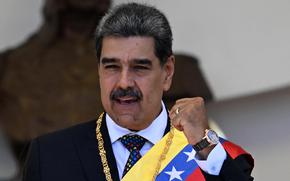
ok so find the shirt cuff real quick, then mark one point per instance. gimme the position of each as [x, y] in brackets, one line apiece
[214, 161]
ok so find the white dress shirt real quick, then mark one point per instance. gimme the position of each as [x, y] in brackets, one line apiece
[153, 133]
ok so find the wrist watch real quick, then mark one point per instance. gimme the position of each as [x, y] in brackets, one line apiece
[210, 138]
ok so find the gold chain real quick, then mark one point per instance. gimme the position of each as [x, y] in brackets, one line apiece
[103, 156]
[102, 150]
[164, 152]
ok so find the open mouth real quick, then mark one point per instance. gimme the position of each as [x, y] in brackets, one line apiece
[127, 96]
[127, 100]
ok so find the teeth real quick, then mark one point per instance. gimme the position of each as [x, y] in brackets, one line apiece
[126, 101]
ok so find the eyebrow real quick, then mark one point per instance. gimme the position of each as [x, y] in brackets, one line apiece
[108, 60]
[143, 61]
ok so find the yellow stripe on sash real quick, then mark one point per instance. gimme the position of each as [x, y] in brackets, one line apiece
[144, 169]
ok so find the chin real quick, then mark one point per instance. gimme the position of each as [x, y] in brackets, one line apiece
[128, 121]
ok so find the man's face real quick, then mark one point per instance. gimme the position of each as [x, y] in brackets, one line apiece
[132, 80]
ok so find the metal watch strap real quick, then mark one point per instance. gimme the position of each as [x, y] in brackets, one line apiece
[201, 145]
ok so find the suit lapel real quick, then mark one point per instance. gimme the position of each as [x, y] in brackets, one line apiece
[86, 146]
[167, 129]
[109, 151]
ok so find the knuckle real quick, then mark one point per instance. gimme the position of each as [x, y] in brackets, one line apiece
[199, 100]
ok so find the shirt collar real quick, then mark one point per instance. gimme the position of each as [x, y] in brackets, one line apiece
[153, 133]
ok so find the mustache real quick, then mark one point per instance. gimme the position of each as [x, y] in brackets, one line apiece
[129, 92]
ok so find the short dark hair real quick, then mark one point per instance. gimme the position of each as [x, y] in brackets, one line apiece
[132, 19]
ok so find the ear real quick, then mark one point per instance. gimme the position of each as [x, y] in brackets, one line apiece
[168, 68]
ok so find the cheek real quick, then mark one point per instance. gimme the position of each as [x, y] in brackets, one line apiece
[152, 88]
[106, 86]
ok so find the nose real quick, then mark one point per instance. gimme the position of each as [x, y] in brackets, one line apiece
[126, 79]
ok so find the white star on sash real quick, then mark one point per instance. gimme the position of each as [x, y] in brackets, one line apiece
[191, 155]
[174, 174]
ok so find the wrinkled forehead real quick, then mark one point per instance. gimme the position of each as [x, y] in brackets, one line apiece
[128, 48]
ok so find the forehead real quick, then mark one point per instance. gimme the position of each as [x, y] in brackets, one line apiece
[128, 48]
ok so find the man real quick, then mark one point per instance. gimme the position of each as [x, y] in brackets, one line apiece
[136, 65]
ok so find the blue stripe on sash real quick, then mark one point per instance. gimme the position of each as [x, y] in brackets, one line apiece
[179, 168]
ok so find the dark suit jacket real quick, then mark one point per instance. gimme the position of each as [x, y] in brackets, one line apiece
[72, 155]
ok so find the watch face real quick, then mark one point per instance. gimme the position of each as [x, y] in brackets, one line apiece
[213, 137]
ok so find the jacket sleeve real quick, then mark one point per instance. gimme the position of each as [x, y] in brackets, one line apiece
[238, 169]
[31, 170]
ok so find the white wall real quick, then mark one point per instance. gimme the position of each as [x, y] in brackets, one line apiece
[243, 45]
[18, 19]
[8, 165]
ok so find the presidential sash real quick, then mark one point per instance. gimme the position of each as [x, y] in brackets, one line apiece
[179, 162]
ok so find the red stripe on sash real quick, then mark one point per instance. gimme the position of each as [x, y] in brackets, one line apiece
[196, 176]
[233, 150]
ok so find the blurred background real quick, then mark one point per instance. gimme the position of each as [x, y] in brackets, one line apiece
[233, 53]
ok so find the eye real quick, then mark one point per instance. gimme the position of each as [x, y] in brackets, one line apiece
[141, 67]
[111, 66]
